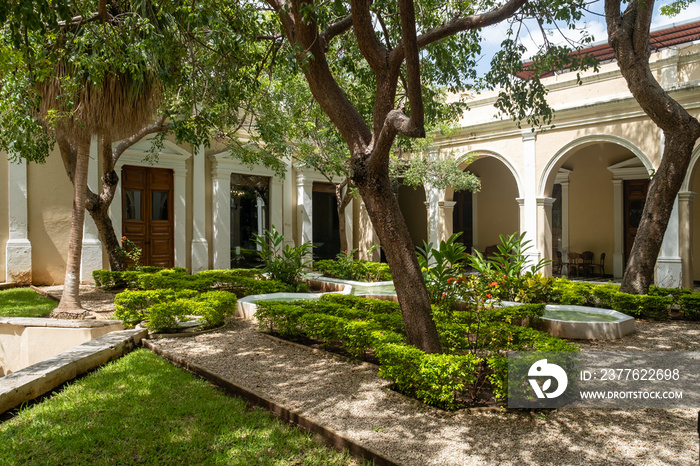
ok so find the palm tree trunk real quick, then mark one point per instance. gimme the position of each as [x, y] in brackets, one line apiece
[70, 305]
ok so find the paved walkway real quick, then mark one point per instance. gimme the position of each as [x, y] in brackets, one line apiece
[351, 400]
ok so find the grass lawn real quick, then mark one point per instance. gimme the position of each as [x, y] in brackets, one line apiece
[142, 410]
[24, 302]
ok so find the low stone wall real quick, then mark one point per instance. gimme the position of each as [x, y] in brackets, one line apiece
[25, 341]
[37, 379]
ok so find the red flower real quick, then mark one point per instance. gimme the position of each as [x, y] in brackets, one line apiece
[488, 295]
[450, 280]
[444, 294]
[493, 284]
[123, 238]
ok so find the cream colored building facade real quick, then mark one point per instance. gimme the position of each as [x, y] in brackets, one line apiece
[567, 188]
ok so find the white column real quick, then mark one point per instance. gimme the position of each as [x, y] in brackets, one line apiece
[529, 211]
[180, 224]
[544, 230]
[475, 222]
[619, 251]
[564, 220]
[305, 208]
[432, 198]
[200, 245]
[446, 219]
[285, 207]
[685, 222]
[349, 225]
[669, 265]
[368, 237]
[221, 198]
[18, 250]
[277, 215]
[91, 256]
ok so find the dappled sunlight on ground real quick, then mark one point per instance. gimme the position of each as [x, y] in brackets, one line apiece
[354, 402]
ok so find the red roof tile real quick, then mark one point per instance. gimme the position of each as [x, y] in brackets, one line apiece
[658, 40]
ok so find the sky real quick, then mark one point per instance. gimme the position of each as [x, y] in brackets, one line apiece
[594, 24]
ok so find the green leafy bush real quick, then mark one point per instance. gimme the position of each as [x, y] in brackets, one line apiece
[573, 293]
[690, 305]
[214, 306]
[346, 267]
[283, 262]
[133, 306]
[655, 307]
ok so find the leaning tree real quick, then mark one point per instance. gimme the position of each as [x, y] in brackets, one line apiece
[404, 44]
[628, 34]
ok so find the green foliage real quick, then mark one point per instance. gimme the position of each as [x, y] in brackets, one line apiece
[690, 305]
[346, 267]
[444, 380]
[283, 262]
[655, 307]
[133, 306]
[130, 251]
[442, 266]
[165, 308]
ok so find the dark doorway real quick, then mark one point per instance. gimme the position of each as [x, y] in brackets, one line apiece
[147, 213]
[462, 218]
[635, 197]
[249, 215]
[326, 226]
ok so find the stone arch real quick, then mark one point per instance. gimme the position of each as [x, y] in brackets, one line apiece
[691, 168]
[463, 155]
[557, 159]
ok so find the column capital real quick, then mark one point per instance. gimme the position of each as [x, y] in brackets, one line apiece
[447, 204]
[686, 196]
[529, 135]
[520, 201]
[545, 201]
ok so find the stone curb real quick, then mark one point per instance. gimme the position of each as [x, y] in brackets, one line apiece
[42, 377]
[332, 438]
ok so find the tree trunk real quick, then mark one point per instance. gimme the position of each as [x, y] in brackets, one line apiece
[664, 187]
[98, 207]
[383, 210]
[70, 305]
[628, 35]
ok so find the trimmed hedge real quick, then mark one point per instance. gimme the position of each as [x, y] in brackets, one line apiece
[359, 324]
[242, 282]
[165, 308]
[655, 305]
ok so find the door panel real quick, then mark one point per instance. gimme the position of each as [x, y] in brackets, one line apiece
[635, 197]
[147, 216]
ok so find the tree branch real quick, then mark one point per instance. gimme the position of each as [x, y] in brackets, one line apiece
[370, 47]
[334, 30]
[460, 24]
[156, 127]
[410, 46]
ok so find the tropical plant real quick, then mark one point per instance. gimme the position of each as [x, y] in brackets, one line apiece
[285, 263]
[441, 267]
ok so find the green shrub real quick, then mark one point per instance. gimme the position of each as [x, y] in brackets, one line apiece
[514, 314]
[108, 279]
[345, 267]
[690, 305]
[433, 378]
[573, 293]
[165, 316]
[214, 306]
[602, 295]
[283, 262]
[280, 318]
[655, 307]
[244, 282]
[134, 306]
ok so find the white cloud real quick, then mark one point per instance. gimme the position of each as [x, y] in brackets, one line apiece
[689, 14]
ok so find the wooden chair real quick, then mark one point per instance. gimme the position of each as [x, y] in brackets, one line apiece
[587, 262]
[574, 263]
[600, 266]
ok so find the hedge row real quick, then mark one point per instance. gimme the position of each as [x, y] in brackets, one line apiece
[165, 308]
[242, 282]
[655, 305]
[359, 324]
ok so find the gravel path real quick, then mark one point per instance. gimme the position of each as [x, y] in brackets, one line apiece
[100, 303]
[354, 402]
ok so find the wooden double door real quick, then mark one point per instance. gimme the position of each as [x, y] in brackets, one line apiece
[147, 213]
